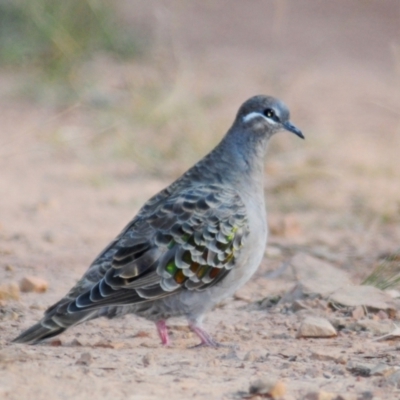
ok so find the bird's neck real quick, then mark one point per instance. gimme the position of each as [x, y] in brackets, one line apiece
[243, 154]
[238, 159]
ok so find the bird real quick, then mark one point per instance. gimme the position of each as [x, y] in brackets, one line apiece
[191, 245]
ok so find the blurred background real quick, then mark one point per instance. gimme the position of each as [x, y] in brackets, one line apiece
[104, 103]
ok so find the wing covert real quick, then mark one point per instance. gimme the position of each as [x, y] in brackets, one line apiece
[187, 242]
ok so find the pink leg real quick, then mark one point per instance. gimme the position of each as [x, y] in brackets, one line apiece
[206, 339]
[163, 332]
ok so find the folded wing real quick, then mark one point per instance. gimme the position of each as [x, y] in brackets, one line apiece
[187, 242]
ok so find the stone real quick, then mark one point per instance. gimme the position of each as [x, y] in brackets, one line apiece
[329, 354]
[376, 327]
[57, 342]
[366, 296]
[76, 342]
[33, 284]
[299, 305]
[321, 395]
[360, 369]
[270, 386]
[84, 359]
[315, 327]
[9, 291]
[394, 334]
[148, 359]
[253, 356]
[317, 276]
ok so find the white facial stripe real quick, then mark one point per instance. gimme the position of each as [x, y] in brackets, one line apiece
[251, 116]
[254, 114]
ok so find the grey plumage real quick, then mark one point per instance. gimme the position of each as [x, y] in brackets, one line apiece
[191, 245]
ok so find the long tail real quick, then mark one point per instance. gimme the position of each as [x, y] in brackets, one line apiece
[37, 333]
[51, 325]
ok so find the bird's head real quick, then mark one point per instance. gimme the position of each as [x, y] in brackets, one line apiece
[266, 115]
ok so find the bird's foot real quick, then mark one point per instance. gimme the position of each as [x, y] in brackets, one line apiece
[205, 337]
[163, 332]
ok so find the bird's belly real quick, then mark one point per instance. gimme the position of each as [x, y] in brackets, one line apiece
[245, 267]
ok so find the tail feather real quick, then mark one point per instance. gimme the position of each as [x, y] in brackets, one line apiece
[52, 325]
[37, 333]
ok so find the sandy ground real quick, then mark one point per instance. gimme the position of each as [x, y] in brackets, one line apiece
[66, 191]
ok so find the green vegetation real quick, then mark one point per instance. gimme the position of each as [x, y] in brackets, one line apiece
[53, 36]
[81, 58]
[387, 273]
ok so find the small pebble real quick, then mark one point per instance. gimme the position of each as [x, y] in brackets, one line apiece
[316, 328]
[9, 291]
[33, 284]
[148, 359]
[84, 359]
[270, 386]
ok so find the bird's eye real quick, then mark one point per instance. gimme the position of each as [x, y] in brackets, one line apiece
[270, 113]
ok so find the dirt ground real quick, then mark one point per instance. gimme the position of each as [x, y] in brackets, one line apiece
[72, 177]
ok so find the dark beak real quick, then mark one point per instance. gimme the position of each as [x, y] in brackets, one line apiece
[291, 128]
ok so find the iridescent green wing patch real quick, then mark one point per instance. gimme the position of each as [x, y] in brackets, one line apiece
[205, 245]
